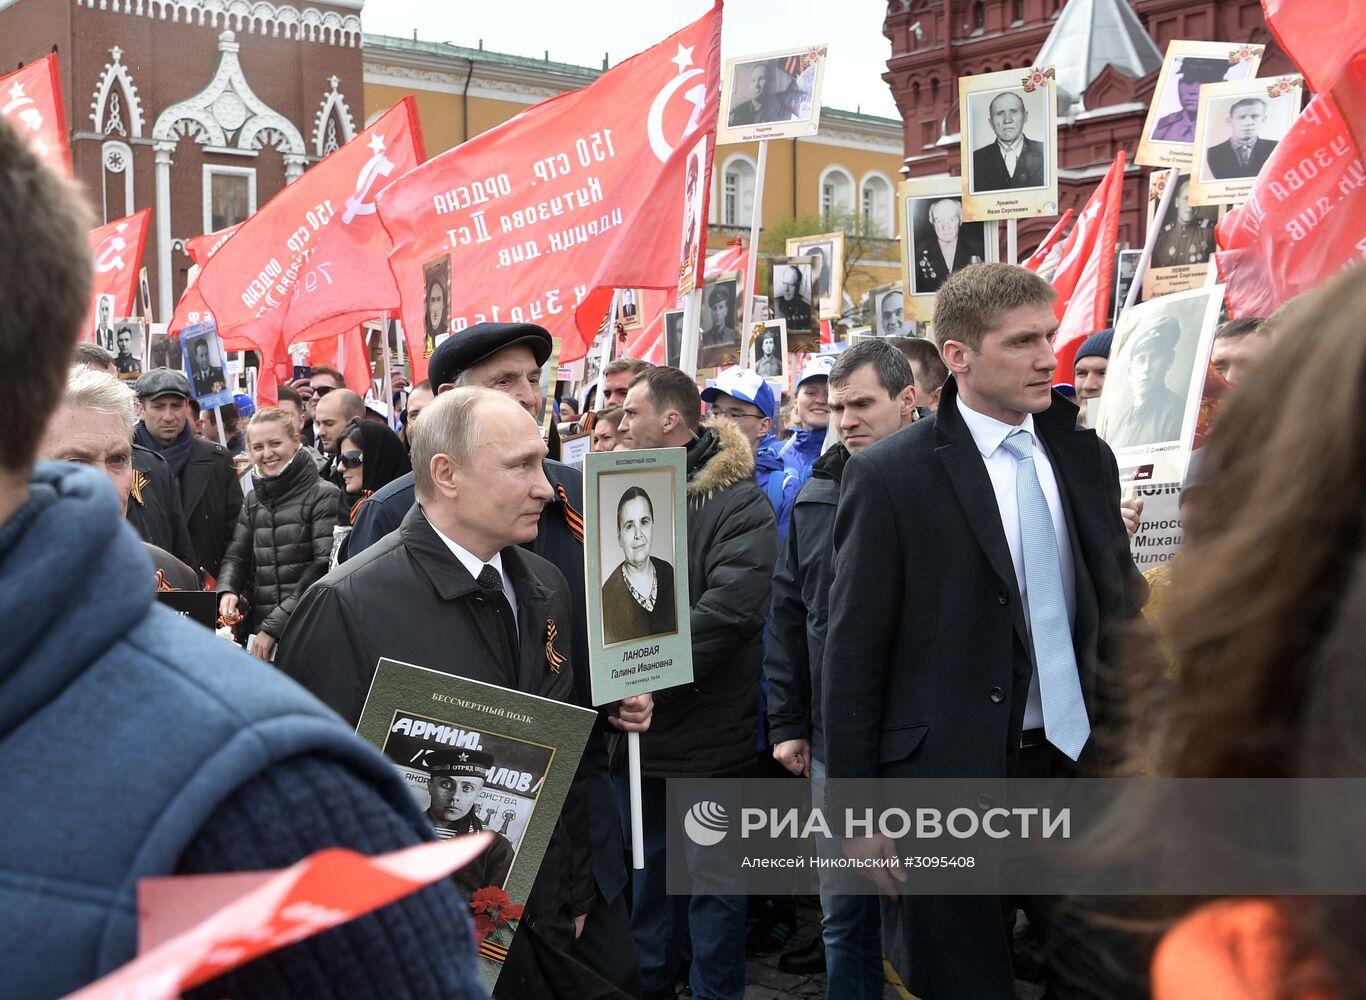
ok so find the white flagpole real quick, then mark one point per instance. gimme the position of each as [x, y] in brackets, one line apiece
[388, 380]
[692, 332]
[754, 224]
[1168, 192]
[1012, 242]
[637, 807]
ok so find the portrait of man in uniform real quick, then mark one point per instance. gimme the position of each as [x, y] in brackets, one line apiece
[1155, 411]
[792, 295]
[455, 779]
[943, 242]
[1191, 74]
[128, 344]
[1187, 232]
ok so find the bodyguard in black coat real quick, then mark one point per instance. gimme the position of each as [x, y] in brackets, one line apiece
[929, 659]
[154, 508]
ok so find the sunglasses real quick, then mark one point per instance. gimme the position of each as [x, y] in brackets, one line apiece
[352, 461]
[320, 391]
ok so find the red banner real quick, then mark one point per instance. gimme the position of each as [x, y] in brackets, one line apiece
[322, 891]
[1036, 260]
[1086, 270]
[647, 343]
[351, 255]
[191, 308]
[587, 189]
[251, 280]
[1319, 39]
[117, 248]
[1305, 219]
[31, 100]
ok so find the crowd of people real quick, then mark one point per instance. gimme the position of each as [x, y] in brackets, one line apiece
[916, 566]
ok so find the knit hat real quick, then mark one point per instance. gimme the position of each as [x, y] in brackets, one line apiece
[1096, 346]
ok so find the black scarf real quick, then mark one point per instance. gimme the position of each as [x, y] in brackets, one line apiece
[177, 453]
[385, 460]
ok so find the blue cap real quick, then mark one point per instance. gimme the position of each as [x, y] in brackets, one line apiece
[746, 386]
[245, 406]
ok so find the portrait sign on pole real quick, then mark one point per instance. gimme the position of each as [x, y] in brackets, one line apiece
[1237, 129]
[130, 346]
[1009, 145]
[792, 302]
[636, 541]
[1184, 241]
[673, 337]
[1155, 382]
[827, 270]
[889, 311]
[480, 757]
[936, 241]
[721, 307]
[1168, 137]
[204, 364]
[767, 354]
[773, 95]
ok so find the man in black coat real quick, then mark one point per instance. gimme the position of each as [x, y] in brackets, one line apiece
[210, 494]
[942, 649]
[155, 512]
[1244, 152]
[709, 727]
[872, 395]
[1013, 160]
[508, 358]
[453, 590]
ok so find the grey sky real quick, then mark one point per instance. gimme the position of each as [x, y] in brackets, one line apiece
[580, 32]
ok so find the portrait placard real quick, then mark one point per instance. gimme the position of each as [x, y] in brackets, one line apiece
[790, 279]
[767, 349]
[1185, 239]
[1168, 137]
[889, 311]
[130, 346]
[1126, 266]
[720, 340]
[628, 308]
[163, 350]
[693, 246]
[827, 270]
[436, 310]
[772, 95]
[935, 241]
[673, 337]
[479, 757]
[1236, 129]
[636, 544]
[1151, 398]
[203, 361]
[574, 447]
[1009, 146]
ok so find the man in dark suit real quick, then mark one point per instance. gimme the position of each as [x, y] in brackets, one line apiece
[1244, 151]
[210, 494]
[945, 246]
[1008, 514]
[1013, 160]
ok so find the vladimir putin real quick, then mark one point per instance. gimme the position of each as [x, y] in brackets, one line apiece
[1244, 151]
[1154, 415]
[945, 247]
[1012, 160]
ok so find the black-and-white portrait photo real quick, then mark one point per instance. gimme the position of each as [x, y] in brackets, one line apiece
[163, 351]
[673, 337]
[769, 353]
[1179, 100]
[628, 309]
[436, 302]
[692, 237]
[720, 322]
[941, 242]
[760, 309]
[769, 90]
[1242, 132]
[792, 293]
[204, 365]
[889, 310]
[1186, 233]
[1009, 135]
[104, 322]
[638, 591]
[128, 346]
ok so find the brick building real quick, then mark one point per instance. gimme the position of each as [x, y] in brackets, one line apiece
[1107, 54]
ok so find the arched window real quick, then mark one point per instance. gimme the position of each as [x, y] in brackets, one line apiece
[737, 191]
[837, 191]
[877, 204]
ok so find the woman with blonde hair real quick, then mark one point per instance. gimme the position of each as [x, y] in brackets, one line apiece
[283, 531]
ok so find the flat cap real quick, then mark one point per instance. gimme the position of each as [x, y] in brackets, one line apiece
[1162, 334]
[462, 351]
[459, 763]
[162, 382]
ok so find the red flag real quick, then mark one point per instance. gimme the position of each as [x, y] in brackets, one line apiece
[522, 219]
[1086, 270]
[354, 248]
[1320, 40]
[117, 249]
[191, 308]
[1045, 246]
[647, 343]
[31, 100]
[347, 354]
[1305, 219]
[250, 280]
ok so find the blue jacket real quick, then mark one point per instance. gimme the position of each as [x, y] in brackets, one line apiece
[123, 729]
[800, 451]
[778, 484]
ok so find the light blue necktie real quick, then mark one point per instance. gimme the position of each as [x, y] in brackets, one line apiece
[1064, 712]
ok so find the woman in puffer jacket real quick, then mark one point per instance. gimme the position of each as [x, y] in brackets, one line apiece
[284, 529]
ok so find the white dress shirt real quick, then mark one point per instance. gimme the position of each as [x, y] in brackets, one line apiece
[1011, 153]
[475, 565]
[988, 434]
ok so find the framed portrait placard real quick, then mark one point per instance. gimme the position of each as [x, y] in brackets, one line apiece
[772, 95]
[1009, 146]
[1168, 137]
[1155, 381]
[636, 543]
[721, 309]
[936, 241]
[1237, 128]
[479, 757]
[792, 302]
[766, 352]
[673, 337]
[130, 347]
[889, 311]
[1126, 266]
[827, 270]
[204, 364]
[1185, 239]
